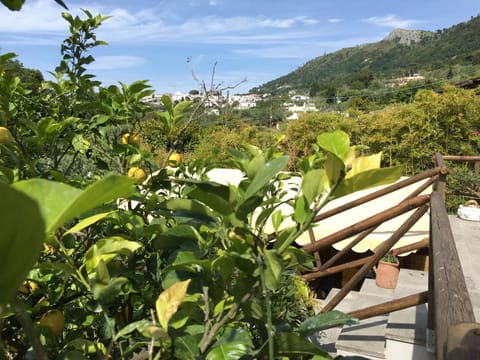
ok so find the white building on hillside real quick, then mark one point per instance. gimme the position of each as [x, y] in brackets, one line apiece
[296, 110]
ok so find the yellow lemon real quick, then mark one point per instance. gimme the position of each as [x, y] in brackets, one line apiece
[138, 174]
[54, 320]
[5, 135]
[175, 159]
[128, 138]
[28, 287]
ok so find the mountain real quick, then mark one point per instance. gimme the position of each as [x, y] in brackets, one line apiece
[402, 52]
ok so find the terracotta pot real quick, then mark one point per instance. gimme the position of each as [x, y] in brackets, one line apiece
[387, 274]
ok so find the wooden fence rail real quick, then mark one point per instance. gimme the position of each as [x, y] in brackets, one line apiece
[451, 305]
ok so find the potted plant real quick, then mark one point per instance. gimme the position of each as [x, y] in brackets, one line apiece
[387, 271]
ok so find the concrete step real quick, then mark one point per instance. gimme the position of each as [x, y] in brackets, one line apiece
[367, 338]
[409, 325]
[406, 332]
[385, 336]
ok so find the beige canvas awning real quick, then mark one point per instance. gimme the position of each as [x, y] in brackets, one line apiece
[340, 221]
[349, 217]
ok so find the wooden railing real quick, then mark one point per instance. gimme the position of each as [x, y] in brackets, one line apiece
[451, 316]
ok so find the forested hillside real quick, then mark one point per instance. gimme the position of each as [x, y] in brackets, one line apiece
[433, 55]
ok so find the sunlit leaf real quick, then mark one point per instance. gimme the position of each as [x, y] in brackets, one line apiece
[82, 224]
[107, 249]
[265, 175]
[169, 300]
[337, 143]
[60, 202]
[364, 163]
[277, 219]
[313, 184]
[368, 179]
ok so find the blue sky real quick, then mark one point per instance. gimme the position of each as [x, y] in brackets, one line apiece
[253, 40]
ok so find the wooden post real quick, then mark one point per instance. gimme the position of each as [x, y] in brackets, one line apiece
[318, 260]
[390, 306]
[463, 341]
[441, 185]
[452, 302]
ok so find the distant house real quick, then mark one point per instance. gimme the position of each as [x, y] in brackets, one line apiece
[296, 110]
[244, 102]
[297, 98]
[402, 81]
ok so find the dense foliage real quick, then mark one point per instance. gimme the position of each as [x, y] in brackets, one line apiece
[98, 265]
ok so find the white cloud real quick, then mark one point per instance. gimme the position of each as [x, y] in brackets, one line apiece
[392, 21]
[335, 20]
[113, 62]
[42, 19]
[35, 16]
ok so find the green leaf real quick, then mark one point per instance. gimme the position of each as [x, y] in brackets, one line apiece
[182, 106]
[60, 202]
[168, 302]
[186, 346]
[107, 293]
[174, 237]
[277, 218]
[86, 346]
[191, 206]
[216, 196]
[334, 169]
[284, 238]
[324, 321]
[167, 102]
[139, 325]
[80, 144]
[265, 175]
[101, 273]
[247, 207]
[21, 237]
[82, 224]
[274, 270]
[336, 143]
[313, 184]
[254, 166]
[302, 210]
[107, 249]
[368, 179]
[228, 351]
[72, 355]
[14, 5]
[292, 345]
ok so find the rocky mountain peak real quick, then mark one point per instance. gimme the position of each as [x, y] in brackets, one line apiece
[407, 37]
